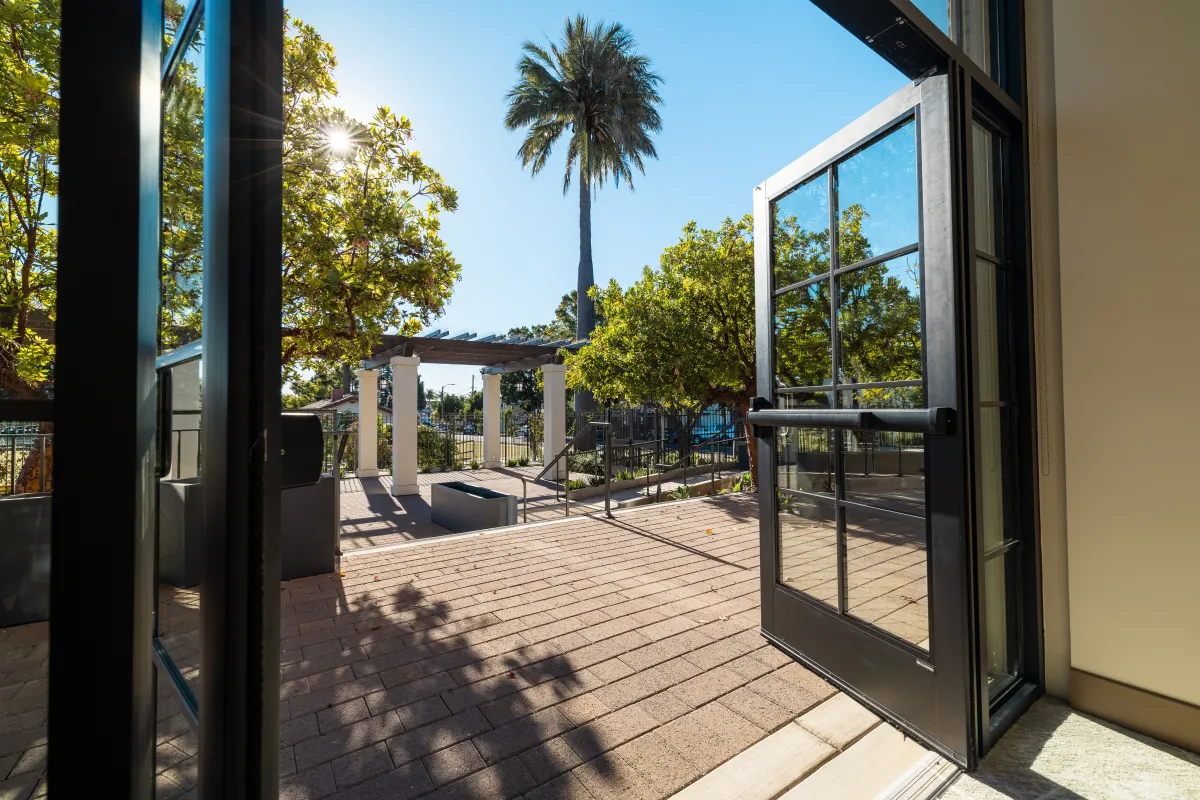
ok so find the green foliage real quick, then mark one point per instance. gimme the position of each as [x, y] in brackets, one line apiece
[474, 464]
[512, 462]
[318, 387]
[574, 484]
[682, 335]
[384, 445]
[742, 483]
[521, 389]
[589, 463]
[432, 448]
[680, 493]
[29, 106]
[523, 461]
[595, 480]
[451, 404]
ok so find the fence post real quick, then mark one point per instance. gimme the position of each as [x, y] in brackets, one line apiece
[608, 470]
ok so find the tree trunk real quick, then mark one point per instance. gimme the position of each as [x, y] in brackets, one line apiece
[751, 442]
[585, 308]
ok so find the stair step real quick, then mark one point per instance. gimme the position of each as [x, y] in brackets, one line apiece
[870, 766]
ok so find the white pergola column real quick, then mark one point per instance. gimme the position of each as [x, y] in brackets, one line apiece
[404, 425]
[368, 424]
[554, 416]
[492, 453]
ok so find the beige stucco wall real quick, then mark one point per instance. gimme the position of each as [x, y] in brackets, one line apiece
[1127, 85]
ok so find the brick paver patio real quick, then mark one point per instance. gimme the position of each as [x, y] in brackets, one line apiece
[586, 658]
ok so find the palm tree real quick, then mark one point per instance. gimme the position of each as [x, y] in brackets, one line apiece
[594, 84]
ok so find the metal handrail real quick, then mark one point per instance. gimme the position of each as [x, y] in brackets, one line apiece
[566, 481]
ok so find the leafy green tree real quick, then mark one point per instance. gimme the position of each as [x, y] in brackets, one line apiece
[594, 84]
[29, 104]
[681, 337]
[451, 404]
[362, 254]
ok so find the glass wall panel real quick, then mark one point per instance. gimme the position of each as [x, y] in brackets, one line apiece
[886, 572]
[977, 33]
[877, 197]
[938, 12]
[800, 232]
[983, 162]
[999, 589]
[879, 322]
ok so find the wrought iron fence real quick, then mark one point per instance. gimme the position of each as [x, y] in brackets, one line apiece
[23, 452]
[455, 441]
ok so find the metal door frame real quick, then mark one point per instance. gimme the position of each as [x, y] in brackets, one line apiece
[928, 695]
[102, 670]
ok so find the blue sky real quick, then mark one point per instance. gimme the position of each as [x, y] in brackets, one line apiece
[748, 87]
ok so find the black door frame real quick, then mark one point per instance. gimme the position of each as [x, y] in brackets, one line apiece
[922, 692]
[996, 93]
[103, 593]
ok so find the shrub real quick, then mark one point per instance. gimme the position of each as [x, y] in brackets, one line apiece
[680, 493]
[512, 462]
[474, 464]
[574, 484]
[595, 480]
[589, 463]
[523, 461]
[431, 448]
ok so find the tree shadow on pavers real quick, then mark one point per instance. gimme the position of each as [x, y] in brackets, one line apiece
[634, 529]
[452, 700]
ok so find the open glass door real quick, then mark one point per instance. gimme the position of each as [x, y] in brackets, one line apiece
[863, 476]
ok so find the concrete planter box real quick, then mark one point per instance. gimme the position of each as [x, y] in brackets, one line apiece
[307, 527]
[461, 507]
[24, 559]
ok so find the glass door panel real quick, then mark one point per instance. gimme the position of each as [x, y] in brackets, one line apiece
[865, 488]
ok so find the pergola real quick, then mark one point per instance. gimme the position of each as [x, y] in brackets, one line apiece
[495, 354]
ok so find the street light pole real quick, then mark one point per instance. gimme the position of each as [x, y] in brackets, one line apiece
[442, 402]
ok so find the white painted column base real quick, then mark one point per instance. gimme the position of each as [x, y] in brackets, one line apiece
[368, 424]
[492, 451]
[404, 425]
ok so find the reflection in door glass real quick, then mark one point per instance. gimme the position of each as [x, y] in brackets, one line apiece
[808, 546]
[877, 197]
[886, 572]
[181, 513]
[885, 469]
[802, 336]
[800, 233]
[879, 322]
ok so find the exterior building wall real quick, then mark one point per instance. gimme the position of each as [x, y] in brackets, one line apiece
[1128, 180]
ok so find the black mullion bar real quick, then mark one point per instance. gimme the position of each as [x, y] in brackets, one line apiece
[102, 693]
[183, 37]
[33, 410]
[243, 119]
[802, 284]
[908, 249]
[835, 436]
[868, 507]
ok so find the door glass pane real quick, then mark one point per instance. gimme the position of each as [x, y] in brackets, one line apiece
[885, 469]
[802, 352]
[808, 545]
[805, 459]
[181, 513]
[879, 322]
[800, 232]
[877, 197]
[886, 581]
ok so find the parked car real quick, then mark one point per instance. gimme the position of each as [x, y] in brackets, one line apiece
[469, 428]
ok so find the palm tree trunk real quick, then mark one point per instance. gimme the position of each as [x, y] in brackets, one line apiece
[585, 310]
[585, 314]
